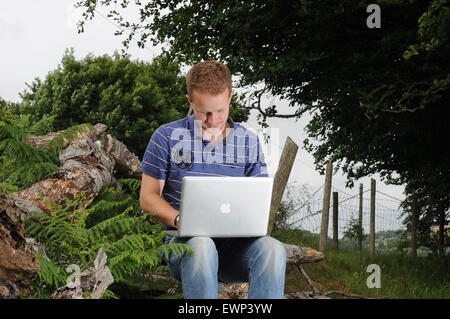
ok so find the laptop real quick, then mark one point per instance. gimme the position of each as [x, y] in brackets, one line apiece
[225, 206]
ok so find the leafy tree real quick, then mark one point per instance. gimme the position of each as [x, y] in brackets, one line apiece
[354, 231]
[132, 97]
[403, 243]
[7, 109]
[431, 215]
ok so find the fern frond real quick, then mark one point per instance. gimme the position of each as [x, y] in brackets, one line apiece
[104, 205]
[109, 194]
[116, 225]
[11, 132]
[21, 152]
[27, 175]
[176, 248]
[132, 184]
[49, 273]
[8, 188]
[129, 243]
[22, 122]
[108, 294]
[42, 127]
[129, 262]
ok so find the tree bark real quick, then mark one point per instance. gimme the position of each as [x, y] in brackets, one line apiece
[18, 263]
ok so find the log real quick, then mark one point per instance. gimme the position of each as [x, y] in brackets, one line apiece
[84, 167]
[302, 255]
[18, 263]
[87, 164]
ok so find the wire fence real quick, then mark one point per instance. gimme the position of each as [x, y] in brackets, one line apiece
[388, 219]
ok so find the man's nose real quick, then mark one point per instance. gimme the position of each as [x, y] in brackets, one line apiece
[212, 119]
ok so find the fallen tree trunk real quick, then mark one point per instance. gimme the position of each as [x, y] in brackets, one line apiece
[87, 165]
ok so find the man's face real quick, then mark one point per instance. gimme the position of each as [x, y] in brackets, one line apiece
[211, 110]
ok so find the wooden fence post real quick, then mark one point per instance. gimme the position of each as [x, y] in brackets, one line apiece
[335, 220]
[326, 207]
[281, 178]
[360, 218]
[372, 218]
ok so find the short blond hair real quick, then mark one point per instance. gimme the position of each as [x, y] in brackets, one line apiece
[210, 77]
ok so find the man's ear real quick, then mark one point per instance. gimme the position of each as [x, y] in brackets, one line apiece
[188, 98]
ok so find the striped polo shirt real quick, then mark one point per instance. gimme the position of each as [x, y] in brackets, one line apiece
[177, 149]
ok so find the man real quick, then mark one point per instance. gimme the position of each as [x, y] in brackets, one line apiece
[209, 143]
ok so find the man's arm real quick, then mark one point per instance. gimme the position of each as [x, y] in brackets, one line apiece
[151, 201]
[155, 167]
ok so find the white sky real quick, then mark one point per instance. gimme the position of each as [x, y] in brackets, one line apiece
[35, 34]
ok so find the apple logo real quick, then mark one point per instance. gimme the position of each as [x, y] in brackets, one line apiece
[225, 208]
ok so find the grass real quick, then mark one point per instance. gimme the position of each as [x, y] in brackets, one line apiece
[401, 276]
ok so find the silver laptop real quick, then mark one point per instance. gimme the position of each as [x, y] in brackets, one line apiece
[225, 206]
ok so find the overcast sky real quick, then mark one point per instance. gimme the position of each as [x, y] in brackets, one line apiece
[35, 34]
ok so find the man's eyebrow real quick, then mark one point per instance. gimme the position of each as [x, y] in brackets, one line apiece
[221, 108]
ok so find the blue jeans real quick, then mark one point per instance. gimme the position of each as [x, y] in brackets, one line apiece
[259, 260]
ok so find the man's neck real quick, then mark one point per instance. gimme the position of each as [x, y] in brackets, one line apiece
[225, 132]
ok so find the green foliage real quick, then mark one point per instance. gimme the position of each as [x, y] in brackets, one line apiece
[132, 241]
[403, 243]
[22, 165]
[108, 294]
[354, 231]
[432, 30]
[296, 200]
[49, 277]
[133, 98]
[296, 236]
[431, 214]
[401, 276]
